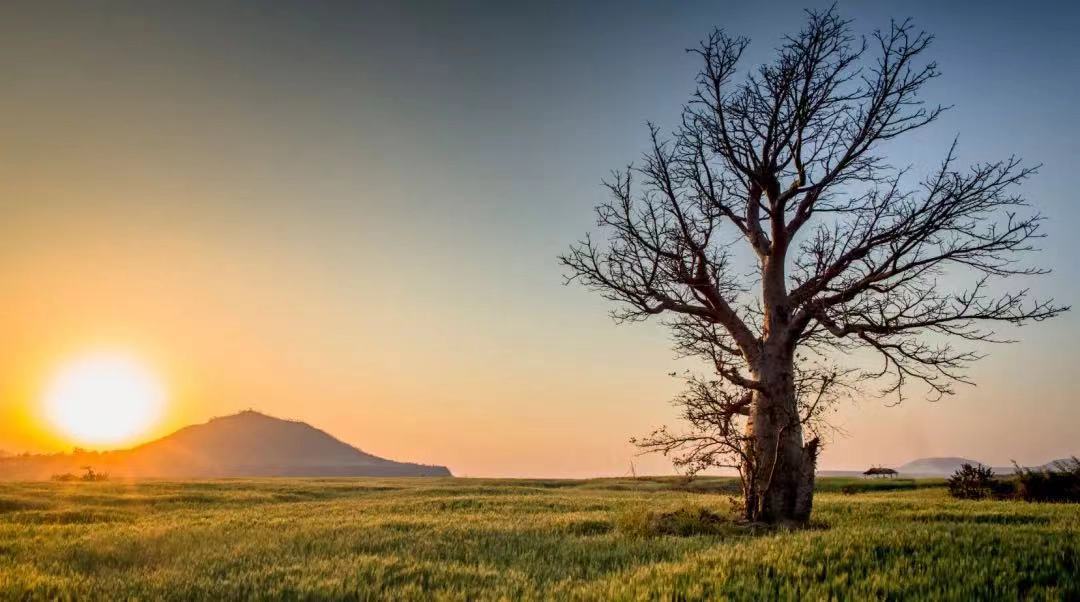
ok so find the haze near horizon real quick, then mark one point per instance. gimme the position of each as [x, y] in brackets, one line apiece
[350, 215]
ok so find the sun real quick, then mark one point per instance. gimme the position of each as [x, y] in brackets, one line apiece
[103, 398]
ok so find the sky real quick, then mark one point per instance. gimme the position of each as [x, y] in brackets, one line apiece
[350, 213]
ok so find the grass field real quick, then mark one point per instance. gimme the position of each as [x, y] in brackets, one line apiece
[486, 539]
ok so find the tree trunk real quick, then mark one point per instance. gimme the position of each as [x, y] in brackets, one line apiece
[782, 487]
[784, 468]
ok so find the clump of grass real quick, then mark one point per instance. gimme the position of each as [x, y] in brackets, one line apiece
[587, 527]
[683, 521]
[15, 504]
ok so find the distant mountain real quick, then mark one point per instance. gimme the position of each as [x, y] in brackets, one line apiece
[935, 466]
[248, 444]
[1054, 464]
[938, 467]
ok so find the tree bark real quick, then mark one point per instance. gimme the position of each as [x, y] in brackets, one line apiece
[804, 495]
[784, 467]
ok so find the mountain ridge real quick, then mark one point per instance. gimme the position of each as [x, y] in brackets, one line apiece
[935, 465]
[246, 444]
[940, 466]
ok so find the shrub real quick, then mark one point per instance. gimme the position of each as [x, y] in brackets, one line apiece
[64, 477]
[971, 482]
[1059, 482]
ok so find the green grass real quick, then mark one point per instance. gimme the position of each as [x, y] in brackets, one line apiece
[509, 539]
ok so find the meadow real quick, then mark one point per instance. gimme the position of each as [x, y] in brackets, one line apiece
[511, 539]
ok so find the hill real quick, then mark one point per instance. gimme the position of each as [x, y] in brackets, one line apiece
[1052, 465]
[922, 467]
[939, 467]
[248, 444]
[935, 466]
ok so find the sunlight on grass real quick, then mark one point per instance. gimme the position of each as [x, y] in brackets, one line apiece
[469, 539]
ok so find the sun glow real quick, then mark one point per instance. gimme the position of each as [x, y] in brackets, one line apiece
[103, 399]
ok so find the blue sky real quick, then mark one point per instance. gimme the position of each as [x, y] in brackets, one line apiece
[369, 199]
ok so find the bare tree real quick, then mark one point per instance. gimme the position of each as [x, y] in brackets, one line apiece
[717, 414]
[848, 253]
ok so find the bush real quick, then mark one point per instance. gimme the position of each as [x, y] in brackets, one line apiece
[64, 477]
[972, 482]
[1058, 483]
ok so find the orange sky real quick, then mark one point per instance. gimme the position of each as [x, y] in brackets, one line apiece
[276, 213]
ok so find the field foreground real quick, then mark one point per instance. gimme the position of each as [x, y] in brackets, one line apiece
[490, 539]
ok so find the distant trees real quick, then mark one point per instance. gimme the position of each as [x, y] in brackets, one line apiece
[847, 253]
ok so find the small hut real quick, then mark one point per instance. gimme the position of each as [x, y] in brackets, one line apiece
[881, 472]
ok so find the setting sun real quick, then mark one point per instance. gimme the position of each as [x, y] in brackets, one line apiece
[103, 398]
[495, 300]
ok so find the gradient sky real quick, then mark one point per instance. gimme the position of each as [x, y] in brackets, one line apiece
[349, 214]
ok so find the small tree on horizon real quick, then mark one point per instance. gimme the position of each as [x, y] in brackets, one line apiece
[847, 252]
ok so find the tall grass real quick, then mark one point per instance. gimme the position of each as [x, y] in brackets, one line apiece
[485, 539]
